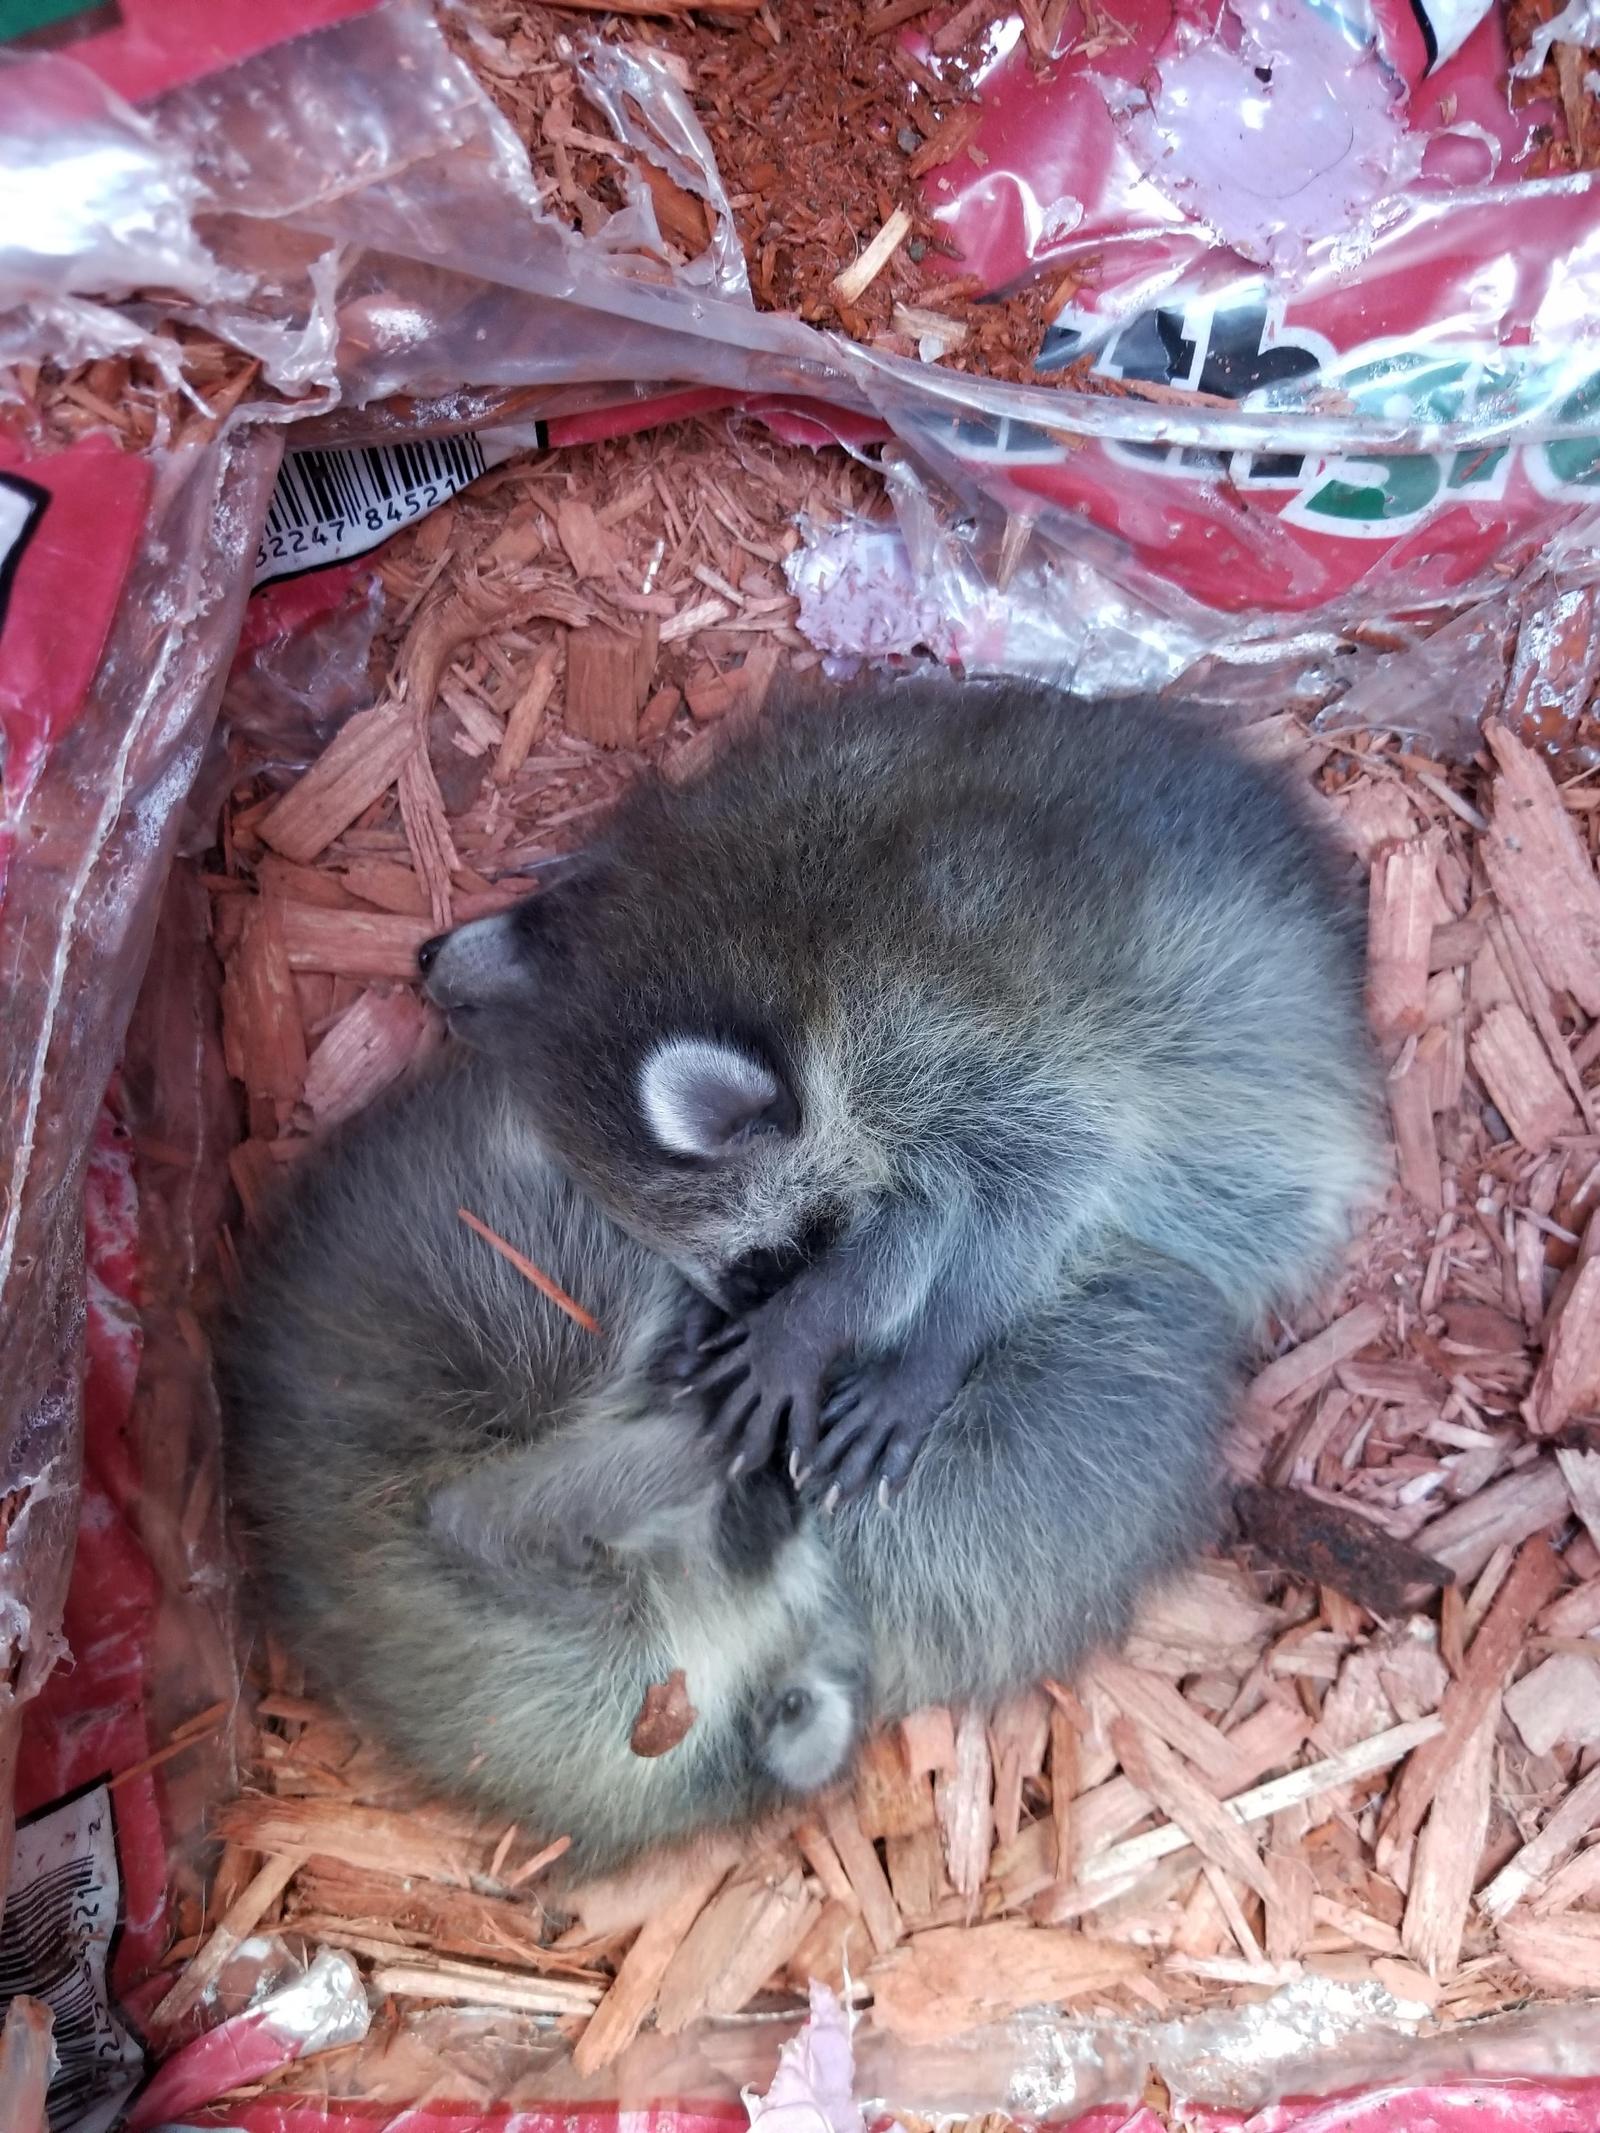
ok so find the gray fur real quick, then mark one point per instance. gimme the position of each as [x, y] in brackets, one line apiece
[1042, 982]
[478, 1524]
[1080, 1462]
[487, 1532]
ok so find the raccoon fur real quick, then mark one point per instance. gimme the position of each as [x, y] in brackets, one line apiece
[488, 1532]
[919, 1009]
[484, 1529]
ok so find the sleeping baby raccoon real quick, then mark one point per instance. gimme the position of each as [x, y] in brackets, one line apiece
[916, 1011]
[482, 1527]
[490, 1532]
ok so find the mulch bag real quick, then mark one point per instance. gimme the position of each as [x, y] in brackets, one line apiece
[1251, 427]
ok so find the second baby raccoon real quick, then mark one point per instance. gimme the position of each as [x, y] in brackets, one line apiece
[915, 1006]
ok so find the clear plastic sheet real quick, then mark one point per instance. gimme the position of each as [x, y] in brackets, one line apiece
[95, 201]
[301, 670]
[94, 793]
[1372, 427]
[1371, 423]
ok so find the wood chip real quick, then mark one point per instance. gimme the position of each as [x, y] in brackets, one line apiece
[918, 1878]
[868, 1884]
[1178, 1793]
[1560, 1954]
[606, 686]
[1445, 1869]
[557, 1295]
[352, 944]
[1533, 1578]
[951, 138]
[929, 1740]
[379, 1840]
[1508, 1511]
[592, 551]
[666, 1717]
[1064, 1779]
[1157, 1706]
[356, 768]
[234, 1927]
[476, 1987]
[27, 2062]
[367, 1049]
[1515, 1068]
[1293, 1375]
[1019, 1733]
[621, 2014]
[388, 884]
[850, 285]
[742, 1936]
[964, 1801]
[1562, 1831]
[1118, 1861]
[427, 828]
[1558, 1701]
[264, 1040]
[957, 1977]
[1405, 907]
[1568, 1379]
[1581, 1473]
[890, 1800]
[526, 717]
[1410, 1090]
[1541, 873]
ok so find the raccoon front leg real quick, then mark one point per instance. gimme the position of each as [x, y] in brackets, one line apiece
[764, 1372]
[880, 1412]
[761, 1372]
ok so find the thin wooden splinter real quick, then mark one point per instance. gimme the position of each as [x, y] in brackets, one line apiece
[529, 1272]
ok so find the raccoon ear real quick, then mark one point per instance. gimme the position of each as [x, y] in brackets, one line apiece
[701, 1096]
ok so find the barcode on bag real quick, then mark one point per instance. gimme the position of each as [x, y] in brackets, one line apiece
[343, 500]
[60, 1915]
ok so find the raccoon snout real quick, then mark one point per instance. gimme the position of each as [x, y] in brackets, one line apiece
[475, 966]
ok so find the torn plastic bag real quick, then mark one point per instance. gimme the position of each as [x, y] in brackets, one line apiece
[125, 582]
[1406, 403]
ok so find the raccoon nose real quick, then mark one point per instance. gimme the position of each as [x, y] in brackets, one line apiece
[428, 953]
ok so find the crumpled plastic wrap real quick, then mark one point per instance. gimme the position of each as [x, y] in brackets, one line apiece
[123, 607]
[1374, 414]
[1359, 388]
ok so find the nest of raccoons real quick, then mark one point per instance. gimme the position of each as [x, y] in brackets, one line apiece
[1357, 1745]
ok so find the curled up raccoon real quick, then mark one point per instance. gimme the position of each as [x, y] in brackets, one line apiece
[923, 1014]
[481, 1526]
[936, 1092]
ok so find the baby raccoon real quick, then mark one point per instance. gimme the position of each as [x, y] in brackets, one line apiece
[912, 1002]
[482, 1527]
[490, 1533]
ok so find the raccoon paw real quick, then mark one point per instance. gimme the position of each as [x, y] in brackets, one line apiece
[876, 1419]
[757, 1373]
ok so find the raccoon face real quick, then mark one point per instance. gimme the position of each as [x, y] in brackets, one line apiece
[809, 1708]
[809, 1726]
[635, 1069]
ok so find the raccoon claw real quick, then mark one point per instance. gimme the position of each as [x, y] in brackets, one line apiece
[876, 1420]
[700, 1325]
[755, 1432]
[878, 1449]
[715, 1366]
